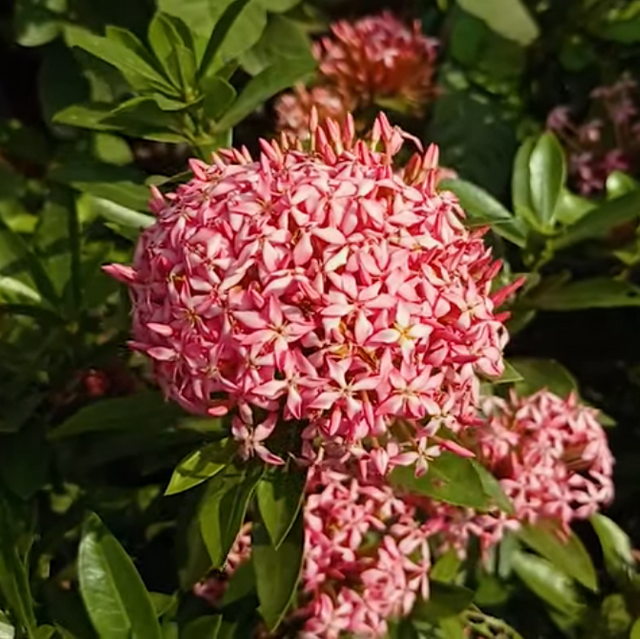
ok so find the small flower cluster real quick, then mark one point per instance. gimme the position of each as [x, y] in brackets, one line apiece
[324, 289]
[374, 58]
[609, 141]
[552, 460]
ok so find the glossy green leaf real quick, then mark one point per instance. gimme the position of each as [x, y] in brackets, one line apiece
[220, 31]
[446, 567]
[599, 292]
[483, 209]
[112, 590]
[200, 465]
[120, 214]
[14, 578]
[510, 375]
[572, 208]
[568, 555]
[163, 38]
[616, 548]
[223, 508]
[450, 478]
[264, 85]
[86, 116]
[280, 494]
[146, 410]
[521, 181]
[550, 584]
[543, 373]
[218, 96]
[277, 571]
[510, 18]
[117, 54]
[445, 600]
[619, 183]
[598, 222]
[38, 22]
[206, 627]
[492, 489]
[241, 584]
[547, 176]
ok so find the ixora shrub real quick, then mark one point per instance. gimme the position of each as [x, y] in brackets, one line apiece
[336, 317]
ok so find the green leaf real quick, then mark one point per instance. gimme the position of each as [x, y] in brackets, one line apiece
[619, 183]
[547, 176]
[220, 31]
[570, 556]
[142, 410]
[446, 567]
[635, 630]
[450, 478]
[543, 373]
[120, 214]
[445, 600]
[14, 578]
[510, 18]
[200, 465]
[492, 488]
[206, 627]
[118, 55]
[86, 116]
[280, 494]
[599, 292]
[223, 509]
[510, 375]
[547, 582]
[218, 96]
[521, 181]
[616, 548]
[277, 571]
[38, 22]
[599, 221]
[264, 85]
[112, 590]
[572, 208]
[241, 584]
[163, 38]
[283, 38]
[483, 209]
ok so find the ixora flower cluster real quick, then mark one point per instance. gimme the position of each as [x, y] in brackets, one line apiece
[322, 288]
[606, 142]
[553, 462]
[374, 58]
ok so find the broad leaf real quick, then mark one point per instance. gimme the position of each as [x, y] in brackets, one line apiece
[218, 96]
[241, 584]
[206, 627]
[568, 555]
[635, 630]
[112, 590]
[572, 208]
[510, 375]
[446, 567]
[277, 571]
[543, 373]
[595, 293]
[616, 549]
[547, 582]
[164, 38]
[264, 85]
[223, 508]
[200, 465]
[619, 183]
[599, 221]
[144, 410]
[280, 494]
[492, 488]
[117, 54]
[510, 18]
[450, 478]
[120, 214]
[37, 22]
[547, 175]
[521, 181]
[445, 600]
[219, 33]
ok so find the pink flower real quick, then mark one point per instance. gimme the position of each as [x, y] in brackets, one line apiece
[320, 285]
[379, 57]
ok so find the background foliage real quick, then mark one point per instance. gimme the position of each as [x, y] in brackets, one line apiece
[98, 101]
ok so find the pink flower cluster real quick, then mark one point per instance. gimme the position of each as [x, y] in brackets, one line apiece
[322, 287]
[367, 557]
[374, 58]
[608, 141]
[552, 460]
